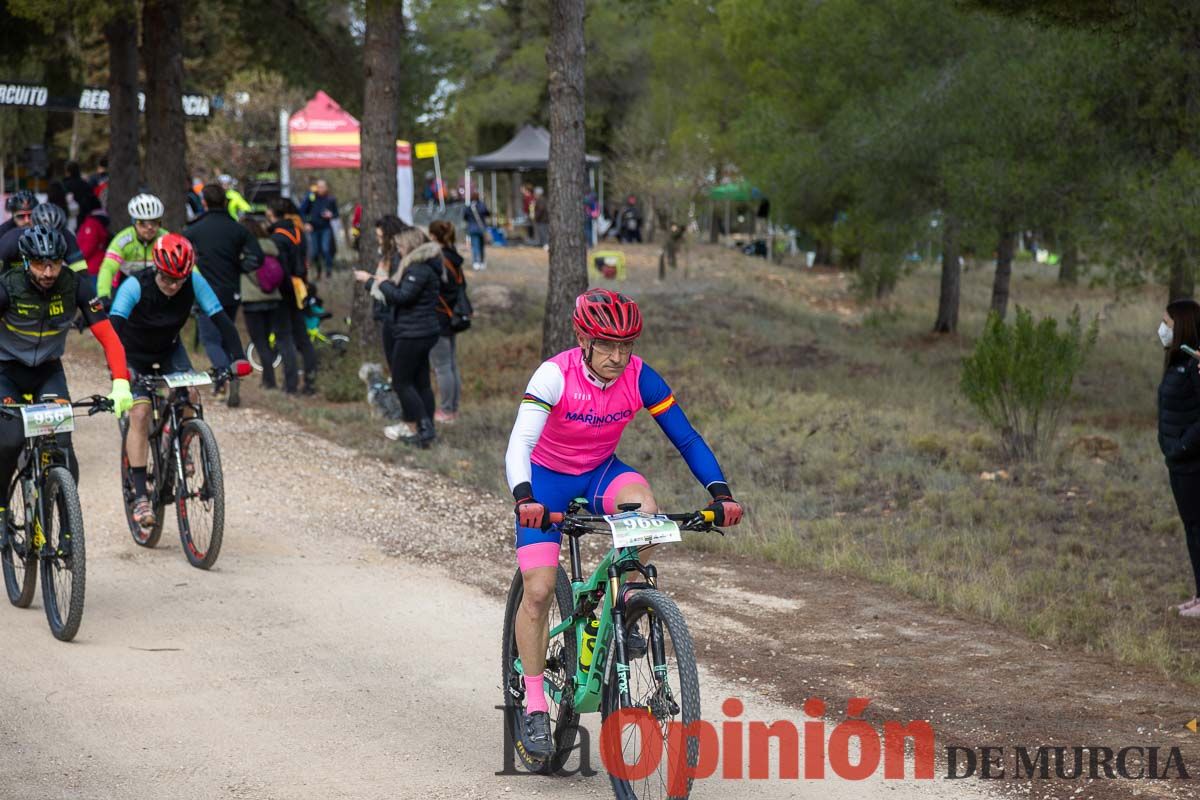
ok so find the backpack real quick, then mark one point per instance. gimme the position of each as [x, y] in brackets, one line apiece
[461, 312]
[270, 275]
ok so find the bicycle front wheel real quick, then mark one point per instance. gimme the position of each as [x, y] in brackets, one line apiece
[200, 501]
[561, 656]
[18, 556]
[64, 558]
[663, 682]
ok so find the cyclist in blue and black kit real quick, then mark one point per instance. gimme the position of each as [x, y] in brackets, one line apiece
[148, 312]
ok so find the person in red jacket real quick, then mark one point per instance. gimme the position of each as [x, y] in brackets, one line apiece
[93, 234]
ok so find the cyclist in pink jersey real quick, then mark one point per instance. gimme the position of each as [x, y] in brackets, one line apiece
[563, 445]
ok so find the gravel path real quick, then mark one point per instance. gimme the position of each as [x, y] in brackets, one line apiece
[307, 663]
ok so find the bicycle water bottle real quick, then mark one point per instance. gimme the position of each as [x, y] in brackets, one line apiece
[589, 642]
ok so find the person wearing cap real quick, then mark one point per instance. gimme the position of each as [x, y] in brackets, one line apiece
[1179, 427]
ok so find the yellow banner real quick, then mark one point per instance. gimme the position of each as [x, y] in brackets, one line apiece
[426, 150]
[310, 138]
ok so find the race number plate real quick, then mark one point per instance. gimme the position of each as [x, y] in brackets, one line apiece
[636, 528]
[47, 418]
[175, 380]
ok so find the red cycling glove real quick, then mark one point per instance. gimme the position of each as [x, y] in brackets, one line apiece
[530, 513]
[726, 510]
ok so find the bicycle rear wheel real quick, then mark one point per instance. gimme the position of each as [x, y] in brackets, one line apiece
[200, 501]
[17, 554]
[560, 670]
[668, 687]
[63, 563]
[146, 537]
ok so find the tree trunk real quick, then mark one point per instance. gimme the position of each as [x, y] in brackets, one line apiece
[166, 138]
[713, 224]
[568, 253]
[824, 253]
[124, 165]
[651, 220]
[947, 315]
[382, 45]
[1068, 267]
[1004, 258]
[1183, 279]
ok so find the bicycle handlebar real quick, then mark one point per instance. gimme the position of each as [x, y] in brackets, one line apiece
[151, 380]
[691, 521]
[94, 404]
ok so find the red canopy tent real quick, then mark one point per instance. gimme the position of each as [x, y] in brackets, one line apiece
[322, 135]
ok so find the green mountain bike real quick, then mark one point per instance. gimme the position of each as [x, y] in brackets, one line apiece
[589, 665]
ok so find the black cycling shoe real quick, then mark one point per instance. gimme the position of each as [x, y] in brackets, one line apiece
[635, 644]
[535, 735]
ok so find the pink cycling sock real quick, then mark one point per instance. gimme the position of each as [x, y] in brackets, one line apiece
[535, 694]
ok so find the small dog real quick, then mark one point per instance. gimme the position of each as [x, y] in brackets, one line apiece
[380, 397]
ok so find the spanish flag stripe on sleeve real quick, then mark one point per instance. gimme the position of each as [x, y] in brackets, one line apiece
[536, 401]
[659, 408]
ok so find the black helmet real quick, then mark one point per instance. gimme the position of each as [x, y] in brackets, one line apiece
[40, 243]
[23, 200]
[49, 215]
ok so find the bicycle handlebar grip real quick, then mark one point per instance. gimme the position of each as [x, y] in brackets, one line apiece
[708, 516]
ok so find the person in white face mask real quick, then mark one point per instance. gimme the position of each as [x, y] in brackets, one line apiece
[1179, 427]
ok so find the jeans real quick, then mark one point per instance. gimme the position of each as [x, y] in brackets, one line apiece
[409, 359]
[261, 324]
[444, 358]
[320, 245]
[477, 243]
[210, 337]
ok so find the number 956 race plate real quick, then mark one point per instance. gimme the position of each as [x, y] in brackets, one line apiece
[637, 528]
[47, 418]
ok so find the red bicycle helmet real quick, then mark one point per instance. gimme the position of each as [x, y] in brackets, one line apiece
[605, 314]
[174, 256]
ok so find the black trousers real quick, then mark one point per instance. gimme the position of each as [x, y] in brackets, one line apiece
[261, 322]
[1186, 488]
[46, 383]
[409, 362]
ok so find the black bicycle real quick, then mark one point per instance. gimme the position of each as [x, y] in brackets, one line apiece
[43, 529]
[183, 466]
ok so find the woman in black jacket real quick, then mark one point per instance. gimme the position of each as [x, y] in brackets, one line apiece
[411, 294]
[1179, 426]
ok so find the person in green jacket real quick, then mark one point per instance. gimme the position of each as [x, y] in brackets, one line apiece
[235, 203]
[132, 250]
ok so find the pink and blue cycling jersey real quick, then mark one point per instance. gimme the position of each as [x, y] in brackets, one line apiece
[564, 442]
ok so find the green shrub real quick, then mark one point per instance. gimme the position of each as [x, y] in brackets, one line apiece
[1019, 377]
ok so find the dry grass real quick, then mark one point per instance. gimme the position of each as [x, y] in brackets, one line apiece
[841, 427]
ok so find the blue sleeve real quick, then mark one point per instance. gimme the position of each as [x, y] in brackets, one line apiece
[206, 298]
[128, 294]
[660, 402]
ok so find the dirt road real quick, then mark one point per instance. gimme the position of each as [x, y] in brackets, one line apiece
[307, 664]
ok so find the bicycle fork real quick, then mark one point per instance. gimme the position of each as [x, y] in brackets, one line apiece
[662, 701]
